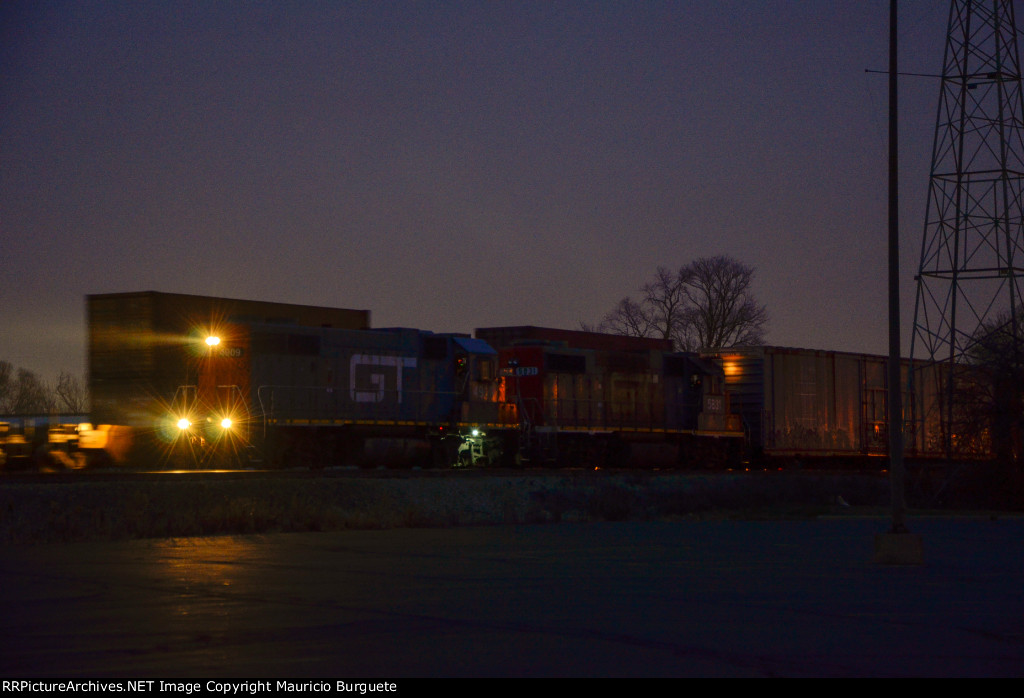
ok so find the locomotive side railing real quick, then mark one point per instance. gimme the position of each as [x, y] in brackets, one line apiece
[619, 415]
[317, 404]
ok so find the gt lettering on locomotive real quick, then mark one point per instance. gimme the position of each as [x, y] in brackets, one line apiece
[370, 385]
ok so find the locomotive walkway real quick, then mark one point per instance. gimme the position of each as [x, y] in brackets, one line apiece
[686, 598]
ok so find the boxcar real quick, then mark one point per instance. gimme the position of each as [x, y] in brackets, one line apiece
[807, 403]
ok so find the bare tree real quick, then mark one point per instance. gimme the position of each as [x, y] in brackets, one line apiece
[6, 370]
[721, 309]
[657, 314]
[70, 393]
[706, 304]
[665, 304]
[991, 396]
[24, 392]
[29, 394]
[628, 318]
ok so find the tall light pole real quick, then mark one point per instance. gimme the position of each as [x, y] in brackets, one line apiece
[898, 546]
[895, 406]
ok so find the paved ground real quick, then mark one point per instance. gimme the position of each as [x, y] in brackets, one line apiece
[691, 598]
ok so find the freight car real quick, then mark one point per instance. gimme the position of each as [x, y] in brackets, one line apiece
[806, 404]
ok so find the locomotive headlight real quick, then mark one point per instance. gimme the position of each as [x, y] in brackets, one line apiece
[212, 340]
[184, 424]
[226, 423]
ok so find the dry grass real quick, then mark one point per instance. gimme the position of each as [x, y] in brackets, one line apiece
[169, 506]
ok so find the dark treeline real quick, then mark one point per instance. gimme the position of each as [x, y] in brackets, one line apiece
[23, 392]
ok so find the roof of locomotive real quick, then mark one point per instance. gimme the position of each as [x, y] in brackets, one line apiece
[504, 337]
[474, 346]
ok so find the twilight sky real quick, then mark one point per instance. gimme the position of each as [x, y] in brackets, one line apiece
[452, 165]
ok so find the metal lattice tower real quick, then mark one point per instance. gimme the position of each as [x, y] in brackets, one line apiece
[969, 279]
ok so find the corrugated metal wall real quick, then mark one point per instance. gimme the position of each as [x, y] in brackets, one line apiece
[807, 402]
